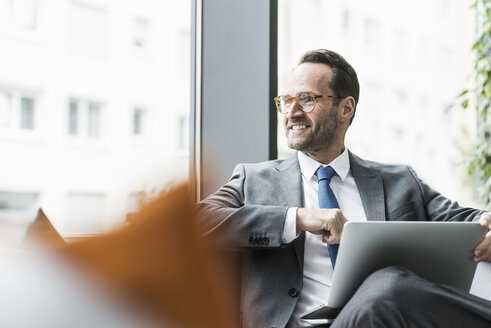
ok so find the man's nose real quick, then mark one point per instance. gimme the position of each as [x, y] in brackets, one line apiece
[295, 110]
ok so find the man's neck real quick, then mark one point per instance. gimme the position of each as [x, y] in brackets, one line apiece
[325, 156]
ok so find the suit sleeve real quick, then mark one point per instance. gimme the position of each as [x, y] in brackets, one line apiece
[440, 208]
[232, 218]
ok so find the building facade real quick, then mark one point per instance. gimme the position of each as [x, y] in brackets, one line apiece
[94, 102]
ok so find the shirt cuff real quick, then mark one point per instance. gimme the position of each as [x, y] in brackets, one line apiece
[290, 229]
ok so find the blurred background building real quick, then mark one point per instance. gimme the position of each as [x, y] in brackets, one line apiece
[94, 96]
[94, 102]
[412, 58]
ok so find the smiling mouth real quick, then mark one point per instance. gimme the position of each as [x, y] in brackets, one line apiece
[298, 127]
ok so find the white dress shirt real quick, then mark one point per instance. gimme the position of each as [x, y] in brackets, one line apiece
[317, 267]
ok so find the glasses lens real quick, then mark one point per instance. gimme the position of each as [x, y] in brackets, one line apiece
[307, 102]
[283, 103]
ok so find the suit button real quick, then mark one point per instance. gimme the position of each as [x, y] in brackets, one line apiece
[293, 292]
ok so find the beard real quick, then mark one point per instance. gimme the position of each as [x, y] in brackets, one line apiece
[320, 136]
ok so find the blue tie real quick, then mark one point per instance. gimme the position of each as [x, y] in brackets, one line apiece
[327, 200]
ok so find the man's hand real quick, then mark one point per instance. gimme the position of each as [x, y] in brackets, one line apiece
[483, 250]
[327, 222]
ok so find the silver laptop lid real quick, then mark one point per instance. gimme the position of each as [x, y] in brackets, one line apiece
[437, 251]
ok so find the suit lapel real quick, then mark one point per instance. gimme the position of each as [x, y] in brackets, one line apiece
[371, 188]
[290, 186]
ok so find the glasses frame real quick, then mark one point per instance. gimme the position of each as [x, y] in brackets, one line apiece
[277, 100]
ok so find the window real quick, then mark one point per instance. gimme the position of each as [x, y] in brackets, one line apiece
[84, 118]
[88, 25]
[140, 33]
[18, 206]
[5, 109]
[19, 14]
[93, 120]
[183, 139]
[82, 85]
[411, 54]
[17, 110]
[27, 113]
[345, 20]
[73, 118]
[138, 121]
[372, 33]
[83, 213]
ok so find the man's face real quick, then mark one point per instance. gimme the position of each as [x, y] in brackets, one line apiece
[314, 131]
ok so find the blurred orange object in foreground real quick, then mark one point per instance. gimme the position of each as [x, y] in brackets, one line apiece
[160, 263]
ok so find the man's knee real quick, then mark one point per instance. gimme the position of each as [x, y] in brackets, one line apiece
[380, 301]
[391, 285]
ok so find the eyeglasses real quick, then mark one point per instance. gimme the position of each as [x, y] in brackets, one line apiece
[305, 101]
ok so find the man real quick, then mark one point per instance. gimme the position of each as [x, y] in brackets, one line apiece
[271, 211]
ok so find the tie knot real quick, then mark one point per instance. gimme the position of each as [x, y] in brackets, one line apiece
[325, 173]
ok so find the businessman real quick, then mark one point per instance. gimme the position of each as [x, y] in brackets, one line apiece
[283, 213]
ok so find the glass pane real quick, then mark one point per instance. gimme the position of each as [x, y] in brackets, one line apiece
[93, 123]
[140, 38]
[137, 121]
[26, 12]
[5, 109]
[183, 133]
[18, 206]
[398, 63]
[17, 200]
[88, 122]
[73, 118]
[27, 113]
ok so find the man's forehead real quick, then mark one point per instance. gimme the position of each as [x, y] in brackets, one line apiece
[309, 77]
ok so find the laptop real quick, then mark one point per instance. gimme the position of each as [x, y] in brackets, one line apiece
[437, 251]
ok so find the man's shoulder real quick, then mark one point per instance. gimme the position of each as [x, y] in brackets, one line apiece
[384, 168]
[278, 164]
[271, 164]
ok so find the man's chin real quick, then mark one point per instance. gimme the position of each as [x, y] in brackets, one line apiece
[297, 145]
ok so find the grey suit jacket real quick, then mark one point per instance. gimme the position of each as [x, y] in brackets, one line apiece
[249, 213]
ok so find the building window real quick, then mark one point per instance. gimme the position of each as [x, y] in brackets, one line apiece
[140, 33]
[19, 14]
[88, 25]
[345, 20]
[27, 113]
[18, 206]
[17, 110]
[5, 109]
[372, 33]
[83, 213]
[84, 118]
[183, 138]
[73, 118]
[138, 121]
[93, 120]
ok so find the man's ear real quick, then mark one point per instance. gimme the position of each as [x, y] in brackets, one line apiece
[347, 109]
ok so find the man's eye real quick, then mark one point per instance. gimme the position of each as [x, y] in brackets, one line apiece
[306, 99]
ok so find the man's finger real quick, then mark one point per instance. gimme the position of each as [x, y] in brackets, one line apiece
[330, 239]
[483, 251]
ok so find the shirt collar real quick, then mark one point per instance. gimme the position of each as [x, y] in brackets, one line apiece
[308, 166]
